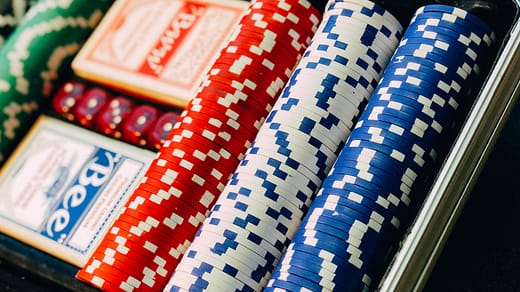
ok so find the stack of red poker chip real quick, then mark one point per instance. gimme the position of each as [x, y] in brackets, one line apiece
[162, 216]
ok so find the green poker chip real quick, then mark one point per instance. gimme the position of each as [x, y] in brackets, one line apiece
[35, 56]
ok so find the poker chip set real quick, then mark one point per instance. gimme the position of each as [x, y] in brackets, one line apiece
[260, 209]
[114, 115]
[357, 214]
[163, 214]
[295, 166]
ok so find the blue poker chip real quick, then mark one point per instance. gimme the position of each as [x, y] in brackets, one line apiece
[423, 122]
[393, 206]
[416, 127]
[455, 73]
[301, 257]
[446, 30]
[405, 156]
[459, 13]
[327, 259]
[384, 187]
[411, 102]
[311, 264]
[433, 101]
[450, 25]
[414, 85]
[332, 203]
[377, 159]
[296, 279]
[442, 45]
[411, 109]
[340, 248]
[340, 226]
[440, 56]
[371, 168]
[296, 271]
[352, 180]
[445, 83]
[395, 131]
[422, 152]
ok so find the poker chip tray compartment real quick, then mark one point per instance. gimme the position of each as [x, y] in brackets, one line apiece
[23, 268]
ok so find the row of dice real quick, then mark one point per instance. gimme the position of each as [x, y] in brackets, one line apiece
[114, 115]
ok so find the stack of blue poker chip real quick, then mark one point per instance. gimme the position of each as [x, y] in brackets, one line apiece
[360, 211]
[260, 209]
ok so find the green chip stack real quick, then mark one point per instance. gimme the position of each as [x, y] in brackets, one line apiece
[11, 14]
[34, 57]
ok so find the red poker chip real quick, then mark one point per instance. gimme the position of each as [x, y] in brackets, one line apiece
[144, 273]
[261, 68]
[111, 117]
[303, 8]
[240, 100]
[108, 284]
[200, 198]
[249, 119]
[292, 40]
[226, 159]
[138, 244]
[232, 142]
[66, 98]
[132, 254]
[194, 155]
[307, 19]
[151, 223]
[278, 51]
[135, 233]
[166, 208]
[110, 274]
[233, 145]
[209, 173]
[125, 263]
[289, 40]
[262, 98]
[246, 131]
[137, 261]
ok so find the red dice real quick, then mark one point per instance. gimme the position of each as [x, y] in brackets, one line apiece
[110, 119]
[90, 105]
[162, 129]
[138, 124]
[67, 97]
